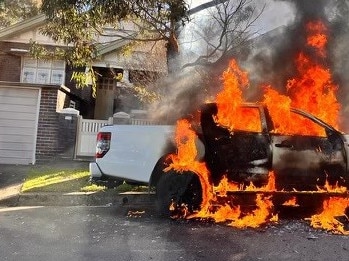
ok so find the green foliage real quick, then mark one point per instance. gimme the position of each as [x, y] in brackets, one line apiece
[144, 95]
[85, 25]
[77, 23]
[38, 51]
[125, 187]
[83, 79]
[13, 11]
[93, 188]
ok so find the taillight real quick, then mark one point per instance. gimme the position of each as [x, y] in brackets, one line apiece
[103, 143]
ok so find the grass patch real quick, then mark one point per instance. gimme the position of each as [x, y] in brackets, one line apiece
[70, 180]
[92, 188]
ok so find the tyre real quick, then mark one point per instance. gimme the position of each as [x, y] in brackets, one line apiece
[178, 189]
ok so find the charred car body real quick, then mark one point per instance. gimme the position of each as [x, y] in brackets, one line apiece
[300, 162]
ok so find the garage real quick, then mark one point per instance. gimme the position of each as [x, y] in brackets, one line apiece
[19, 109]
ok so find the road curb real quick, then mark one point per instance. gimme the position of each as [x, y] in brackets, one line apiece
[80, 199]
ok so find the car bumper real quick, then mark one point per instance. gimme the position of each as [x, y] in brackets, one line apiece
[95, 171]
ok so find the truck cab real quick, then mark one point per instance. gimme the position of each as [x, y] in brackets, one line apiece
[243, 154]
[300, 161]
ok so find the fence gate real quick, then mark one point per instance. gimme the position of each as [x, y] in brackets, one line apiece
[88, 129]
[86, 136]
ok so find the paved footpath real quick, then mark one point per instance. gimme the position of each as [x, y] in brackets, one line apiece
[13, 176]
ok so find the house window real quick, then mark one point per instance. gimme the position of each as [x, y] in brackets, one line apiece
[43, 71]
[107, 84]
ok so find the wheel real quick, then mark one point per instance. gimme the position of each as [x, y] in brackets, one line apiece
[178, 189]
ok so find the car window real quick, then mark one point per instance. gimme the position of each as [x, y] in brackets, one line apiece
[248, 119]
[298, 124]
[242, 119]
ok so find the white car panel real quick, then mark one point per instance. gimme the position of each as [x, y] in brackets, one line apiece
[127, 159]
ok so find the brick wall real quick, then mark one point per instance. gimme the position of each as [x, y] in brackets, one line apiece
[48, 125]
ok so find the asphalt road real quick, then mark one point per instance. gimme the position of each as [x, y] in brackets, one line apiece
[136, 233]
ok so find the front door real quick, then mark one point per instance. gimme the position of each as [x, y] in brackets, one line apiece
[305, 161]
[242, 154]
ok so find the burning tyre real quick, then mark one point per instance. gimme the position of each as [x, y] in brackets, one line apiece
[176, 191]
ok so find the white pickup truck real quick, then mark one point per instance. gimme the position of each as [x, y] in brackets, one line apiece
[129, 152]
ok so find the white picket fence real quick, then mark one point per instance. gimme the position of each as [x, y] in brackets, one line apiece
[87, 134]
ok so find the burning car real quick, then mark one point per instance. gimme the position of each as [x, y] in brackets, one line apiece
[285, 150]
[248, 154]
[280, 155]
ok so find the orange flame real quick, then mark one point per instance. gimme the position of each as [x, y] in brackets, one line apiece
[317, 36]
[226, 212]
[332, 208]
[185, 159]
[279, 109]
[270, 186]
[259, 216]
[291, 202]
[331, 188]
[224, 186]
[313, 90]
[230, 114]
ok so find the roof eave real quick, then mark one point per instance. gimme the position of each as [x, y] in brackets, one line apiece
[22, 26]
[115, 45]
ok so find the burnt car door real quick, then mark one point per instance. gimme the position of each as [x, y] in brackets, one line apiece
[242, 154]
[304, 161]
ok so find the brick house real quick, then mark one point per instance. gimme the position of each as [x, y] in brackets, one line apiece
[32, 92]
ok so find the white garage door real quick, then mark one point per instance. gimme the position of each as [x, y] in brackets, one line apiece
[19, 108]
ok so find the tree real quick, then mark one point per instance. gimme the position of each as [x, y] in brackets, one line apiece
[77, 22]
[225, 28]
[13, 11]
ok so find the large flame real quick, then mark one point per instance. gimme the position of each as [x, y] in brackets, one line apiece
[259, 216]
[312, 90]
[333, 208]
[185, 159]
[230, 113]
